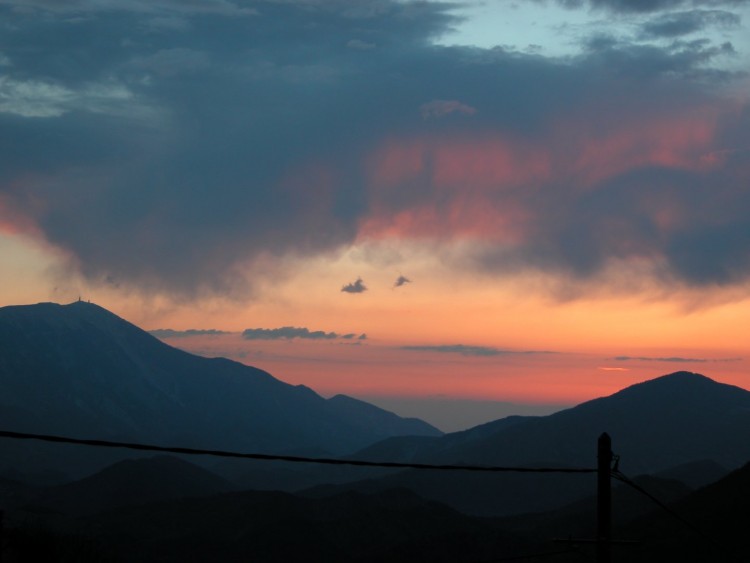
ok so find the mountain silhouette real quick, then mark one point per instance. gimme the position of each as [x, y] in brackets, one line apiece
[655, 426]
[80, 370]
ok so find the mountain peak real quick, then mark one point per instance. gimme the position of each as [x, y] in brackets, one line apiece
[49, 309]
[684, 376]
[679, 381]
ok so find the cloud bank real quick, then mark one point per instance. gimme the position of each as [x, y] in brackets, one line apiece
[183, 147]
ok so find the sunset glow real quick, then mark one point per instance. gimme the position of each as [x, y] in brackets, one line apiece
[564, 220]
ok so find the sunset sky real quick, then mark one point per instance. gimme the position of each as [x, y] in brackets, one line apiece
[423, 204]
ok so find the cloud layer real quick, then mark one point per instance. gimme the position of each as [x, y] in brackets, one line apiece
[170, 333]
[464, 350]
[184, 147]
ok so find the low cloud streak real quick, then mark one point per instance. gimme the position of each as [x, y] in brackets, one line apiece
[170, 333]
[464, 350]
[291, 333]
[673, 359]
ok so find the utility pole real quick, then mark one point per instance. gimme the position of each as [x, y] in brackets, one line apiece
[604, 500]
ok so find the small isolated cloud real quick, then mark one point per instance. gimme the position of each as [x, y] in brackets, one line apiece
[355, 287]
[287, 333]
[402, 280]
[352, 336]
[482, 351]
[169, 333]
[603, 368]
[440, 108]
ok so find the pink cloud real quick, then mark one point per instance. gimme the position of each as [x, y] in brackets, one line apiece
[497, 186]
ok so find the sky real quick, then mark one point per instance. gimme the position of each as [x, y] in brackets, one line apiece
[456, 210]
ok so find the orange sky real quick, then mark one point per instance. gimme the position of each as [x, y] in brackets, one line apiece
[539, 347]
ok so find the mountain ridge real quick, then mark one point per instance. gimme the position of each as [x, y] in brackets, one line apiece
[83, 371]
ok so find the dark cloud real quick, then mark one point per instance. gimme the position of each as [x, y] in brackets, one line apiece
[684, 23]
[173, 146]
[158, 153]
[169, 333]
[482, 351]
[288, 333]
[357, 286]
[401, 280]
[673, 359]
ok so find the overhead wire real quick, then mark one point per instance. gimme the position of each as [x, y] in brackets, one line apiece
[616, 474]
[287, 458]
[531, 556]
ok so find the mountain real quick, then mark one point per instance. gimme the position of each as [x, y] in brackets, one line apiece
[655, 426]
[80, 370]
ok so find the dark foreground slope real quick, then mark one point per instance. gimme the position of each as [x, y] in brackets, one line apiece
[709, 525]
[394, 526]
[81, 370]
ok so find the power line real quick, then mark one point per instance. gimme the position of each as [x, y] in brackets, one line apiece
[531, 556]
[292, 459]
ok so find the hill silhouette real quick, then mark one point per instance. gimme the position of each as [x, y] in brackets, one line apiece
[270, 526]
[132, 482]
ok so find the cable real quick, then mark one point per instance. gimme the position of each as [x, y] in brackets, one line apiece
[293, 459]
[531, 556]
[624, 479]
